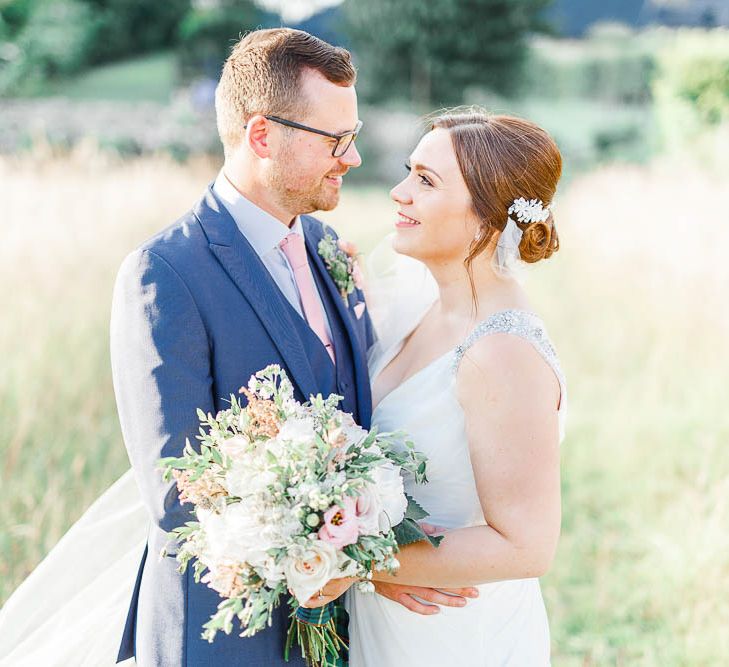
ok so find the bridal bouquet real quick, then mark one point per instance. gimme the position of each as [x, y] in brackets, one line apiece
[286, 497]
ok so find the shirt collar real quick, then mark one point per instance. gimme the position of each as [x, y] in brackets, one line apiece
[261, 229]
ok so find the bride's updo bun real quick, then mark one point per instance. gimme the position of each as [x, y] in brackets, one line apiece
[503, 158]
[539, 240]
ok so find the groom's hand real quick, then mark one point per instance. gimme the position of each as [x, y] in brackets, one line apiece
[430, 598]
[430, 529]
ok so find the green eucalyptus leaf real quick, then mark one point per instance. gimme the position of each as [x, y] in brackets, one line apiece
[414, 510]
[408, 532]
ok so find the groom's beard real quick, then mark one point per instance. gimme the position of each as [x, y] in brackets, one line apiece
[299, 195]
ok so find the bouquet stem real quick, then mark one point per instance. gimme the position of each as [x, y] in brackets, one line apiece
[315, 631]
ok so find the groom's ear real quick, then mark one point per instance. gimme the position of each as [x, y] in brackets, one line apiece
[257, 135]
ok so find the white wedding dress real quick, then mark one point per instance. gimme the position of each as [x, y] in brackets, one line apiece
[507, 624]
[71, 609]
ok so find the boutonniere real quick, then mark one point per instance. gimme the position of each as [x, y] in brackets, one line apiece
[340, 259]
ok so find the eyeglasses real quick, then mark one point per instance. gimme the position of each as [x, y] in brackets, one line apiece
[344, 140]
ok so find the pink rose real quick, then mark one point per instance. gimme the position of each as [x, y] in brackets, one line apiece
[357, 276]
[351, 250]
[340, 524]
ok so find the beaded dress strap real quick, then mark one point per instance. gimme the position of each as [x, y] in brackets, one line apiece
[519, 323]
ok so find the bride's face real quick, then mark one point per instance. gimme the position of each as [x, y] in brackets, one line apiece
[435, 221]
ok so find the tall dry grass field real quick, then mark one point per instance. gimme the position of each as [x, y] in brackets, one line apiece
[635, 301]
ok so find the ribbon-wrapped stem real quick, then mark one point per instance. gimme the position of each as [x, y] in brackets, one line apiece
[320, 635]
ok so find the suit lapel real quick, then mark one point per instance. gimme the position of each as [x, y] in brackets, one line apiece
[253, 280]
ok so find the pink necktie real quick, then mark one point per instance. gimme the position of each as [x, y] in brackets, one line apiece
[295, 250]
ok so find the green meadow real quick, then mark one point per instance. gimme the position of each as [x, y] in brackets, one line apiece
[145, 78]
[635, 301]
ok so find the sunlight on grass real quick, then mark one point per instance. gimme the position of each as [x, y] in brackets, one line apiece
[635, 301]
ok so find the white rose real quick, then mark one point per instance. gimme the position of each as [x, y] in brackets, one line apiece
[233, 535]
[298, 431]
[368, 508]
[388, 483]
[243, 478]
[297, 435]
[234, 447]
[308, 568]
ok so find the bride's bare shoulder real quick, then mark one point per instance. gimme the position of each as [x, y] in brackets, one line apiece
[505, 369]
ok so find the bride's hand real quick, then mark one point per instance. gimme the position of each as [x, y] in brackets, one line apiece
[333, 589]
[446, 597]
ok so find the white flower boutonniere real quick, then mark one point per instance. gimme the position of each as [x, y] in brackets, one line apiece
[340, 259]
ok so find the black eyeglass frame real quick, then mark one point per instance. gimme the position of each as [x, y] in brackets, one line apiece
[343, 135]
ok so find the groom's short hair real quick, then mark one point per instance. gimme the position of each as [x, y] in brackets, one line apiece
[262, 75]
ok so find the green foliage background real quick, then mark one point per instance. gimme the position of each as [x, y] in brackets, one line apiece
[206, 35]
[431, 52]
[691, 90]
[47, 40]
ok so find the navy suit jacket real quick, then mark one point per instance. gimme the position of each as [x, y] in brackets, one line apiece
[195, 313]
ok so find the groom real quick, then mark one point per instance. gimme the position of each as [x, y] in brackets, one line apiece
[234, 285]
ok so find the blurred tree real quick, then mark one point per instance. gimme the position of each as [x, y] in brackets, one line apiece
[48, 38]
[708, 19]
[691, 90]
[14, 15]
[210, 29]
[325, 25]
[132, 27]
[612, 63]
[430, 52]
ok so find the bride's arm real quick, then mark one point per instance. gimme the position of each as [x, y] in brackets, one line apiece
[509, 396]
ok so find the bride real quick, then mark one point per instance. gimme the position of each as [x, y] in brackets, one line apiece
[467, 369]
[476, 383]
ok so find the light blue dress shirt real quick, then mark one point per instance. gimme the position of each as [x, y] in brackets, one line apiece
[265, 233]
